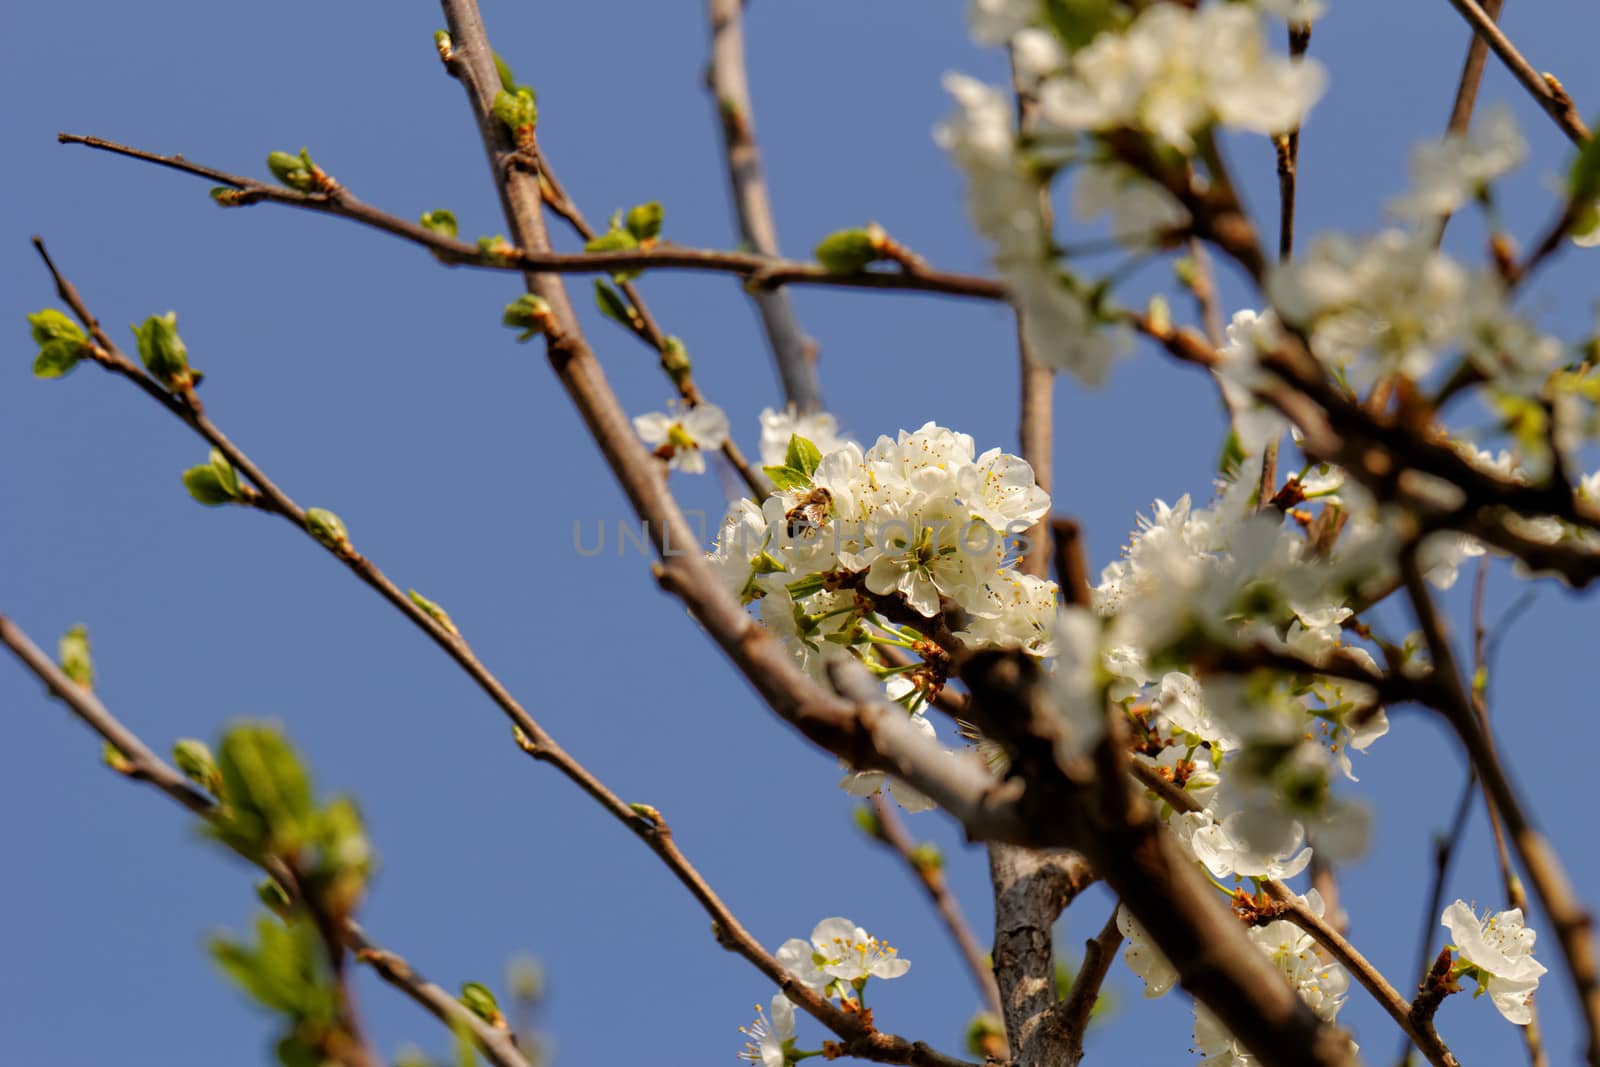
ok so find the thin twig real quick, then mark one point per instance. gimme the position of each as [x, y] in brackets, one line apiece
[759, 271]
[930, 876]
[152, 769]
[1071, 1017]
[793, 352]
[1543, 87]
[1573, 924]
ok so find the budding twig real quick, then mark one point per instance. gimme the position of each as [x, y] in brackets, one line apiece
[152, 769]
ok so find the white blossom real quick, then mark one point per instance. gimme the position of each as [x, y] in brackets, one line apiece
[769, 1042]
[839, 954]
[681, 436]
[1175, 71]
[820, 428]
[1499, 949]
[1448, 173]
[1143, 957]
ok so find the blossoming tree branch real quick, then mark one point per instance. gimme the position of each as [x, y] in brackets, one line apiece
[1183, 725]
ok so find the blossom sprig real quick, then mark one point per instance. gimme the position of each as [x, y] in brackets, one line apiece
[839, 959]
[681, 437]
[1496, 952]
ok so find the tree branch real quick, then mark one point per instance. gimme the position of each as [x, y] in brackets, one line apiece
[1543, 87]
[891, 832]
[496, 1044]
[793, 353]
[759, 271]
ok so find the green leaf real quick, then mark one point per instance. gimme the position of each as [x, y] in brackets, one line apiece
[644, 220]
[284, 970]
[847, 251]
[56, 358]
[73, 650]
[195, 760]
[788, 477]
[343, 857]
[611, 304]
[516, 110]
[441, 222]
[802, 455]
[165, 355]
[528, 313]
[52, 325]
[266, 792]
[327, 527]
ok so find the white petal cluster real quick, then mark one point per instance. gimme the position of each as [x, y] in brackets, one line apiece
[1497, 951]
[917, 527]
[681, 437]
[840, 955]
[770, 1041]
[1322, 985]
[1176, 71]
[1394, 304]
[1004, 200]
[1448, 173]
[820, 428]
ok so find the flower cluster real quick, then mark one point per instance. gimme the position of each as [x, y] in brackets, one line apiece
[1320, 983]
[1177, 71]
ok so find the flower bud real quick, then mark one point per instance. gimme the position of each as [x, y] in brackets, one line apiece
[327, 527]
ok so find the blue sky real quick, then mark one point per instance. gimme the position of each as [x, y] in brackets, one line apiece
[368, 379]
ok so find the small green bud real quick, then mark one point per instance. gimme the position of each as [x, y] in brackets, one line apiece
[648, 813]
[215, 483]
[441, 222]
[476, 998]
[344, 858]
[434, 612]
[61, 343]
[502, 70]
[614, 240]
[297, 172]
[528, 313]
[327, 527]
[112, 756]
[644, 221]
[847, 251]
[496, 248]
[927, 858]
[675, 360]
[75, 660]
[274, 897]
[446, 47]
[194, 759]
[986, 1037]
[165, 355]
[516, 110]
[866, 821]
[228, 196]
